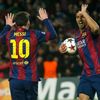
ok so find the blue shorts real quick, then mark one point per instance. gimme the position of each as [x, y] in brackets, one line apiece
[23, 90]
[89, 85]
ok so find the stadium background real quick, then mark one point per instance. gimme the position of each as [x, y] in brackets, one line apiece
[62, 15]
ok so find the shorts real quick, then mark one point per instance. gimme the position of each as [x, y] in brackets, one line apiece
[23, 90]
[89, 86]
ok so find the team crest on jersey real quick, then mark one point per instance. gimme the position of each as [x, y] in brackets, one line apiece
[84, 34]
[19, 33]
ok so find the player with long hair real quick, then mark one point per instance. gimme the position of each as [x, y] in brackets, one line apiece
[88, 44]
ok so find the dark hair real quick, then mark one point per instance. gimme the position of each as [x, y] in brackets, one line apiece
[21, 18]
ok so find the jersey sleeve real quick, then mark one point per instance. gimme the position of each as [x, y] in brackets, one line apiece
[5, 30]
[46, 36]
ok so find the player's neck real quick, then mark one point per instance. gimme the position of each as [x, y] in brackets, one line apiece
[83, 29]
[25, 27]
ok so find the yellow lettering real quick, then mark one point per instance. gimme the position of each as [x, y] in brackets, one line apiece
[19, 33]
[21, 49]
[13, 55]
[26, 42]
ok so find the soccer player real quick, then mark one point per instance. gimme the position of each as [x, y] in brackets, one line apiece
[22, 47]
[88, 44]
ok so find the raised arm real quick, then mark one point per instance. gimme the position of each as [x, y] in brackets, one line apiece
[9, 24]
[91, 23]
[44, 17]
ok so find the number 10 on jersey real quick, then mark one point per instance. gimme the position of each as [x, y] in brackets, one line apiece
[21, 44]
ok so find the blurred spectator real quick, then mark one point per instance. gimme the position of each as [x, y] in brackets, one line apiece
[4, 69]
[40, 66]
[50, 67]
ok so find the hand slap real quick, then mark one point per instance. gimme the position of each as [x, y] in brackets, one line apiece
[42, 14]
[9, 19]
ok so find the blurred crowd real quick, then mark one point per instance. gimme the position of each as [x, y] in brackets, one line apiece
[51, 63]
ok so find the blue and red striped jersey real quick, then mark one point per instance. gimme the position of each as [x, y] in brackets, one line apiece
[88, 45]
[22, 47]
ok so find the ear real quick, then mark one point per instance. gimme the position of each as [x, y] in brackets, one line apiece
[27, 25]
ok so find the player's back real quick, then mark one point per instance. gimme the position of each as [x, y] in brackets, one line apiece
[22, 47]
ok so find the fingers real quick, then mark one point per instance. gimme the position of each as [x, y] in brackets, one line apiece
[13, 23]
[42, 14]
[84, 6]
[45, 11]
[9, 19]
[39, 17]
[63, 48]
[9, 15]
[42, 10]
[5, 17]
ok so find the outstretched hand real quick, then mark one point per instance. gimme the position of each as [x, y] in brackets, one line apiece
[9, 19]
[42, 14]
[84, 8]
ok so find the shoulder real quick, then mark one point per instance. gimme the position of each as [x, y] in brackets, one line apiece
[34, 31]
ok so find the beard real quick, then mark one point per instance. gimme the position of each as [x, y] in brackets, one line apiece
[81, 26]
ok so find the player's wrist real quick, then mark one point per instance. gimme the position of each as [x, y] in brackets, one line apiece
[84, 13]
[8, 26]
[45, 19]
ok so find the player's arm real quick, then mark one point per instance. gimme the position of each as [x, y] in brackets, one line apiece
[9, 24]
[44, 17]
[91, 23]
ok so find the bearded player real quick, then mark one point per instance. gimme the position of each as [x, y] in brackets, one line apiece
[88, 44]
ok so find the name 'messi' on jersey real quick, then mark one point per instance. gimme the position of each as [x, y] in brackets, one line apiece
[19, 33]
